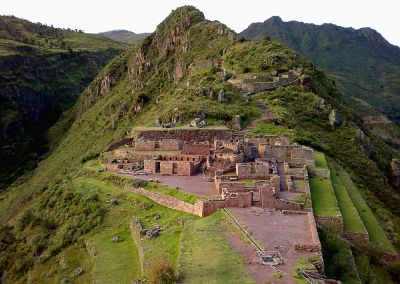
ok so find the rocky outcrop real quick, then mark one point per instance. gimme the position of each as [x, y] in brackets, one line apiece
[395, 171]
[334, 118]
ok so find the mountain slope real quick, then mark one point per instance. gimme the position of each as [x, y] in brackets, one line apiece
[42, 72]
[364, 64]
[175, 75]
[124, 36]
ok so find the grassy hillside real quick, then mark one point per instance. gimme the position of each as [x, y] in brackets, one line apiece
[42, 72]
[365, 66]
[124, 36]
[178, 75]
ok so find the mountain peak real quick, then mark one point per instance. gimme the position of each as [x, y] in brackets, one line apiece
[181, 18]
[373, 37]
[275, 19]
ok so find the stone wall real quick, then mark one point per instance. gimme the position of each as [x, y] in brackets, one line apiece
[330, 221]
[196, 149]
[170, 145]
[135, 228]
[169, 201]
[197, 135]
[356, 237]
[252, 170]
[314, 245]
[320, 172]
[182, 168]
[144, 145]
[230, 186]
[115, 145]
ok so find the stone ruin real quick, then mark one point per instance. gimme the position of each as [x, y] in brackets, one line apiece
[246, 171]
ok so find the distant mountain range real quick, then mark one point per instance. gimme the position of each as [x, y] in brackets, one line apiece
[42, 71]
[364, 64]
[124, 36]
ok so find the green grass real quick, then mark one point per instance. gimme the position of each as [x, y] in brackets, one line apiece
[266, 128]
[177, 193]
[320, 161]
[338, 258]
[208, 257]
[116, 262]
[119, 262]
[351, 219]
[376, 234]
[248, 182]
[304, 263]
[323, 197]
[299, 184]
[70, 259]
[94, 167]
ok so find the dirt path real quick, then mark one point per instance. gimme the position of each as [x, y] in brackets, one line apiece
[266, 116]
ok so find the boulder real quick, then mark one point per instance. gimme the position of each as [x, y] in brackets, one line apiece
[226, 75]
[167, 125]
[237, 121]
[153, 233]
[197, 122]
[78, 271]
[180, 221]
[157, 216]
[395, 171]
[114, 201]
[222, 97]
[158, 122]
[116, 239]
[334, 118]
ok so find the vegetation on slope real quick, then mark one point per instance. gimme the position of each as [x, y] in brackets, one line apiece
[207, 255]
[124, 36]
[177, 74]
[42, 72]
[364, 64]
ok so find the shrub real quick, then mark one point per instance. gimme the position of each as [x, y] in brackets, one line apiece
[90, 157]
[139, 183]
[161, 272]
[246, 69]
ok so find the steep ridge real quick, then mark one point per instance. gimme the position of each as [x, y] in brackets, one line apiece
[364, 64]
[176, 75]
[42, 72]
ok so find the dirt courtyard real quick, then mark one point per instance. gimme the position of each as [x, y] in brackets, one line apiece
[192, 184]
[277, 232]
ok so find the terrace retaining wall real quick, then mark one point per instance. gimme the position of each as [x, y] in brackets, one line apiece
[197, 135]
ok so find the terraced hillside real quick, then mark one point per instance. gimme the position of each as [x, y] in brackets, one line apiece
[42, 72]
[363, 63]
[175, 75]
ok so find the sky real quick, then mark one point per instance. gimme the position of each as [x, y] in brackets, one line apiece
[143, 16]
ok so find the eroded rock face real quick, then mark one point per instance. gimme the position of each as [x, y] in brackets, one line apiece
[158, 122]
[237, 121]
[138, 106]
[197, 122]
[222, 97]
[334, 118]
[395, 167]
[105, 85]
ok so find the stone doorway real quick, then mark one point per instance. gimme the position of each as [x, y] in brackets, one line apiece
[157, 169]
[174, 168]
